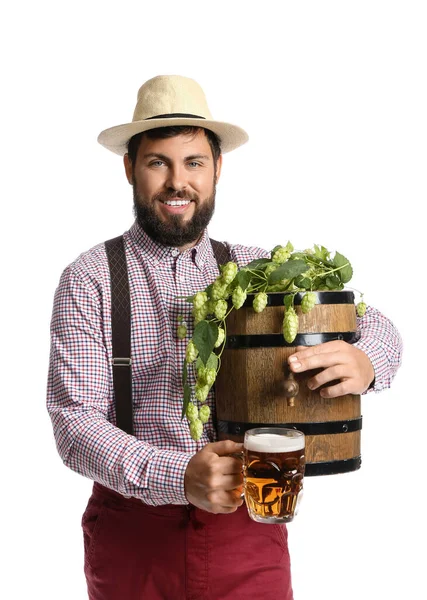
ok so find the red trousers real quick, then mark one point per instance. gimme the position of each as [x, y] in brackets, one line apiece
[134, 552]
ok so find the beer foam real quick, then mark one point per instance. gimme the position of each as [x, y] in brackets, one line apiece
[273, 442]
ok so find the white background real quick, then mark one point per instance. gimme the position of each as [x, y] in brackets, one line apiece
[333, 95]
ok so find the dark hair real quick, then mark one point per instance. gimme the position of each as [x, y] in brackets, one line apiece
[167, 132]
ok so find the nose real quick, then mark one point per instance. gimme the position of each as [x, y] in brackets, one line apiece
[177, 178]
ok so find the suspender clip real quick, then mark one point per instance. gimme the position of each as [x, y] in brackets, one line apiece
[122, 362]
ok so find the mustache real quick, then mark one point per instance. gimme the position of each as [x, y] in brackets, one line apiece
[181, 194]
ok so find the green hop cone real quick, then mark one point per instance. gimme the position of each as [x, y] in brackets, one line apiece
[201, 376]
[200, 314]
[280, 256]
[191, 413]
[204, 413]
[196, 429]
[210, 376]
[360, 309]
[201, 392]
[308, 302]
[191, 352]
[220, 338]
[221, 309]
[290, 325]
[229, 272]
[210, 306]
[181, 331]
[239, 297]
[219, 289]
[260, 302]
[200, 299]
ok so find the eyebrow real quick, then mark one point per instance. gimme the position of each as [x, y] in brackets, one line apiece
[166, 158]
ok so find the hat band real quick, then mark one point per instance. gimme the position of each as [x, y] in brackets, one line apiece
[174, 116]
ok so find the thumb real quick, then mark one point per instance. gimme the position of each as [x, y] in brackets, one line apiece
[225, 447]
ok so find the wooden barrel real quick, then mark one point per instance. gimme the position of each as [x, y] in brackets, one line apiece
[250, 384]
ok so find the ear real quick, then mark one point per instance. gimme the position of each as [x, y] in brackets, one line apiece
[218, 167]
[128, 168]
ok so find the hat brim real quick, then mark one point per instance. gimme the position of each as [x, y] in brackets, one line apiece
[116, 138]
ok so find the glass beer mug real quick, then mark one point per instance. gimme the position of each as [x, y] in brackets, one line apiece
[273, 472]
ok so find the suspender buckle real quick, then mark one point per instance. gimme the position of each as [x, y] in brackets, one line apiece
[122, 362]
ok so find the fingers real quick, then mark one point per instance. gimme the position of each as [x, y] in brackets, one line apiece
[224, 447]
[300, 362]
[327, 375]
[224, 502]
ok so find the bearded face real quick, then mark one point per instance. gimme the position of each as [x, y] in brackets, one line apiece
[175, 230]
[174, 185]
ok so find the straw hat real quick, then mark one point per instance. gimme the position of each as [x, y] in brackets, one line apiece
[169, 100]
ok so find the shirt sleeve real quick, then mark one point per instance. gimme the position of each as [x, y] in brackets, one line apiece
[382, 343]
[80, 404]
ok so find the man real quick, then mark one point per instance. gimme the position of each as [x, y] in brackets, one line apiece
[165, 519]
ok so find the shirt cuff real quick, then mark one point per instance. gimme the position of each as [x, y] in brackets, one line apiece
[166, 478]
[379, 362]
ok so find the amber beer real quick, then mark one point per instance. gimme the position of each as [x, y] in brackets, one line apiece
[274, 464]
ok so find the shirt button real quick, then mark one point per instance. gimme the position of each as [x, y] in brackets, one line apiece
[175, 252]
[181, 279]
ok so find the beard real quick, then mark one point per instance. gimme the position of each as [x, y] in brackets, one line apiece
[174, 231]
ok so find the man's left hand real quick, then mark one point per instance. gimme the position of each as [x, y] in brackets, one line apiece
[338, 361]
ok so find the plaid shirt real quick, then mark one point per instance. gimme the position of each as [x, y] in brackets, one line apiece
[151, 464]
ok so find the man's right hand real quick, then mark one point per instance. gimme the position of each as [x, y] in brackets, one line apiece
[212, 478]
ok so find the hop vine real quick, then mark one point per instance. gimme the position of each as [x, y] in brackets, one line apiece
[286, 271]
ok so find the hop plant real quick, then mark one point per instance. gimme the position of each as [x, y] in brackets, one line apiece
[200, 299]
[260, 302]
[181, 331]
[239, 297]
[204, 413]
[200, 313]
[220, 309]
[191, 352]
[219, 289]
[308, 302]
[285, 271]
[196, 429]
[191, 413]
[290, 325]
[361, 309]
[229, 272]
[280, 256]
[201, 391]
[220, 338]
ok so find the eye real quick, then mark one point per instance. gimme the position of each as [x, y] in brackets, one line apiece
[156, 163]
[193, 164]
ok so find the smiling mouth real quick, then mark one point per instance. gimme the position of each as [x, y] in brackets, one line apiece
[176, 202]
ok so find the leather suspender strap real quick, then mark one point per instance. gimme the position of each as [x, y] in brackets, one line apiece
[121, 328]
[221, 252]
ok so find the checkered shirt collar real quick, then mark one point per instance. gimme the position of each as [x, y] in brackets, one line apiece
[156, 253]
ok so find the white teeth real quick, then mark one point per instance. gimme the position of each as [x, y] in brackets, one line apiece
[176, 202]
